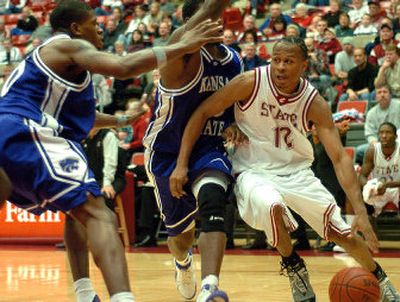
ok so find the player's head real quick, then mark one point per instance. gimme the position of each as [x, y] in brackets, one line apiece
[387, 134]
[289, 61]
[78, 20]
[190, 7]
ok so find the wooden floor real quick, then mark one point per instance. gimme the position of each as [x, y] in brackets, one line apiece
[42, 275]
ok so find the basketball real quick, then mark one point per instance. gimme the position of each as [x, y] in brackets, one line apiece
[354, 284]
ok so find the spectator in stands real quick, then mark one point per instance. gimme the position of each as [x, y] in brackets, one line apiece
[252, 60]
[119, 48]
[343, 29]
[344, 60]
[3, 32]
[101, 91]
[177, 17]
[3, 9]
[138, 17]
[329, 44]
[311, 2]
[376, 12]
[249, 24]
[322, 25]
[301, 16]
[7, 70]
[276, 11]
[278, 29]
[27, 22]
[332, 15]
[249, 36]
[110, 35]
[396, 20]
[164, 32]
[317, 71]
[167, 7]
[292, 30]
[15, 6]
[153, 19]
[312, 30]
[389, 72]
[44, 31]
[147, 96]
[107, 162]
[32, 46]
[381, 165]
[365, 27]
[118, 17]
[360, 78]
[230, 40]
[386, 37]
[136, 41]
[9, 54]
[356, 12]
[384, 111]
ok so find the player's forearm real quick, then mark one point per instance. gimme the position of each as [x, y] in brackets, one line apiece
[393, 184]
[105, 121]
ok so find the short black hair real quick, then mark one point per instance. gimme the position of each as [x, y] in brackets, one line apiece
[391, 125]
[296, 41]
[68, 12]
[190, 7]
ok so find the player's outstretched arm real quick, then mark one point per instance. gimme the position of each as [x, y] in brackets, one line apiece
[5, 187]
[87, 57]
[239, 89]
[367, 166]
[321, 115]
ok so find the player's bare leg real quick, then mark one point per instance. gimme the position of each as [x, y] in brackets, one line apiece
[180, 247]
[212, 248]
[105, 245]
[291, 263]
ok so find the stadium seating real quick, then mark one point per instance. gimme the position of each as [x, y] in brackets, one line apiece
[355, 135]
[360, 106]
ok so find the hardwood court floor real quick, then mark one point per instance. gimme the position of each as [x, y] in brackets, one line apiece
[42, 275]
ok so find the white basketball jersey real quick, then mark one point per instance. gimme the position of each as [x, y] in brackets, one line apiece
[276, 126]
[384, 167]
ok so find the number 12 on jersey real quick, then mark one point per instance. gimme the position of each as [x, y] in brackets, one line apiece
[283, 135]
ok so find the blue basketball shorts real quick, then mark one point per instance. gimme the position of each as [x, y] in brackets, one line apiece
[179, 214]
[47, 172]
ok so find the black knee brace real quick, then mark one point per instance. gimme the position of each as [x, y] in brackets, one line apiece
[212, 200]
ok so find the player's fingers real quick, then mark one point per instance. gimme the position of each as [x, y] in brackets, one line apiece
[372, 240]
[172, 187]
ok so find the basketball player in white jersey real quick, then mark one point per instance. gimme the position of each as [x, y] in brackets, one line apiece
[274, 107]
[382, 162]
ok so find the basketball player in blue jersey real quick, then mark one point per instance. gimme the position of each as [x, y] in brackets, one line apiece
[274, 107]
[5, 187]
[184, 84]
[46, 108]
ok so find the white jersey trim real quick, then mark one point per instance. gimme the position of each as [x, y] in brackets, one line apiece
[256, 88]
[306, 108]
[43, 67]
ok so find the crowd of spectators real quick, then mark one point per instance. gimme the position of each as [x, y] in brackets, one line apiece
[352, 47]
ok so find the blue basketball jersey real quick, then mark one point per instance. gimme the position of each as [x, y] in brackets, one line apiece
[174, 107]
[35, 92]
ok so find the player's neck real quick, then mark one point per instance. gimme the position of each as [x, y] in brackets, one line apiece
[215, 51]
[289, 91]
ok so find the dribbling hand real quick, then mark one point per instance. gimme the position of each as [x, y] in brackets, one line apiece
[177, 180]
[361, 224]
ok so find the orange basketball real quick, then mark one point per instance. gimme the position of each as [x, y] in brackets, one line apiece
[354, 284]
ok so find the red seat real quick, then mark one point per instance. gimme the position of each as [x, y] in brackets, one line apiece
[360, 106]
[11, 18]
[390, 207]
[232, 18]
[137, 159]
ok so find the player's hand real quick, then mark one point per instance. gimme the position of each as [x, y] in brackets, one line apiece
[381, 188]
[234, 135]
[361, 224]
[177, 180]
[205, 32]
[108, 191]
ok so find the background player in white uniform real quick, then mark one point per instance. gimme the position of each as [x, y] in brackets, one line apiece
[382, 163]
[47, 107]
[274, 106]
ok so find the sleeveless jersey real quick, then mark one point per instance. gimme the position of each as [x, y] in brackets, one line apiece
[34, 91]
[276, 126]
[387, 168]
[174, 107]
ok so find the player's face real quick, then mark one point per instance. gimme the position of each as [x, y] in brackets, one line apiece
[387, 137]
[287, 66]
[91, 31]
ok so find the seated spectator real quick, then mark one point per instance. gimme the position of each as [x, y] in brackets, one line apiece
[118, 16]
[311, 2]
[356, 12]
[343, 29]
[26, 24]
[278, 29]
[3, 33]
[360, 79]
[389, 72]
[396, 20]
[322, 25]
[110, 35]
[376, 12]
[138, 17]
[15, 6]
[275, 11]
[230, 40]
[292, 30]
[252, 60]
[136, 41]
[44, 31]
[385, 110]
[7, 70]
[332, 15]
[249, 24]
[163, 35]
[365, 27]
[167, 7]
[386, 38]
[9, 54]
[301, 17]
[107, 162]
[153, 19]
[101, 91]
[380, 174]
[330, 44]
[312, 30]
[177, 19]
[344, 60]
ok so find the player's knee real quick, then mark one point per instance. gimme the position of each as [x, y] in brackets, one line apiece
[212, 201]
